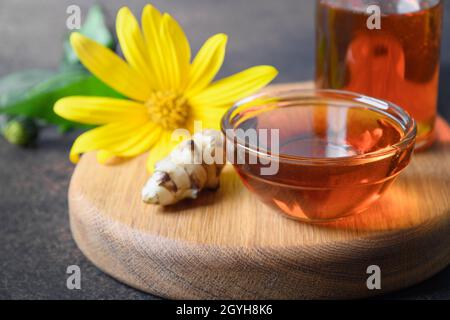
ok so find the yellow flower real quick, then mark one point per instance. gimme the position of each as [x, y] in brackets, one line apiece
[166, 90]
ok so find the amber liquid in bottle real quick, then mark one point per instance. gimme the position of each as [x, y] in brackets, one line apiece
[398, 63]
[320, 191]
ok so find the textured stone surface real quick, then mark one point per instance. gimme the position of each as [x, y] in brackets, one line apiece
[35, 241]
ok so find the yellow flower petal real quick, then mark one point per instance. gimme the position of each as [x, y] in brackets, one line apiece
[133, 45]
[103, 138]
[229, 90]
[169, 53]
[108, 67]
[253, 114]
[151, 27]
[104, 156]
[209, 117]
[93, 110]
[256, 106]
[177, 51]
[141, 141]
[180, 41]
[161, 150]
[207, 63]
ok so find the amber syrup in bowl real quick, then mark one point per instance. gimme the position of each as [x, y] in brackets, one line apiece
[320, 155]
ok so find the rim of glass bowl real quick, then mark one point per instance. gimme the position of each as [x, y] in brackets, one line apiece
[390, 109]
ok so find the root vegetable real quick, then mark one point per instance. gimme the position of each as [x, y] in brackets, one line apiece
[192, 166]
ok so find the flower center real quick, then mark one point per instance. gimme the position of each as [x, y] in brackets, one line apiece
[168, 109]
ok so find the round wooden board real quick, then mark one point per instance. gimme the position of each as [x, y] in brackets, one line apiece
[228, 245]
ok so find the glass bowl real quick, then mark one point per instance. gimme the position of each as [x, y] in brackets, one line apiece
[318, 155]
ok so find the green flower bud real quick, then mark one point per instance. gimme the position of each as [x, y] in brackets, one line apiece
[20, 131]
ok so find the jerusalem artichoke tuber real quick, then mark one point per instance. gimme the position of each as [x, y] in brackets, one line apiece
[192, 166]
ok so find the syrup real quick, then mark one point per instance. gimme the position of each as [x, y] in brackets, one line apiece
[327, 167]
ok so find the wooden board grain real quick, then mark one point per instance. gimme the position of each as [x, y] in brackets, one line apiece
[228, 245]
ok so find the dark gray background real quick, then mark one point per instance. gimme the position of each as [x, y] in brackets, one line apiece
[35, 242]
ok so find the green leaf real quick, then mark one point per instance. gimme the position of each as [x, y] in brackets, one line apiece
[13, 86]
[94, 28]
[37, 102]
